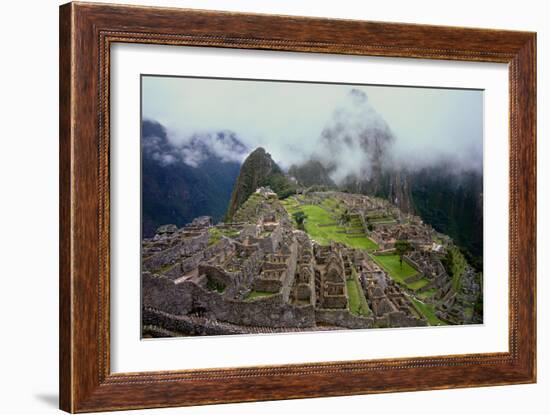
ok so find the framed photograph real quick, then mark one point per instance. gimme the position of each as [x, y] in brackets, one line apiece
[258, 207]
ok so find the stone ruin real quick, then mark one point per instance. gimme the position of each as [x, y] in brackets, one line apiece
[261, 275]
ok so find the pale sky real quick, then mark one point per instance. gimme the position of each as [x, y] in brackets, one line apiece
[287, 118]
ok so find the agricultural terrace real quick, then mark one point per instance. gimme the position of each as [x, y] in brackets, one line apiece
[356, 298]
[401, 272]
[428, 311]
[390, 263]
[323, 227]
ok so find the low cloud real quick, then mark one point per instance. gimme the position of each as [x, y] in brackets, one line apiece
[354, 139]
[157, 143]
[346, 127]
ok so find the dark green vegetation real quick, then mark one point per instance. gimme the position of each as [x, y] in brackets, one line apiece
[401, 249]
[176, 192]
[258, 170]
[453, 205]
[455, 264]
[299, 217]
[215, 286]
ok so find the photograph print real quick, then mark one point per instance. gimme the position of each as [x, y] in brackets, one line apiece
[272, 206]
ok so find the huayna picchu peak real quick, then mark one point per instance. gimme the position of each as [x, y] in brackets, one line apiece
[258, 170]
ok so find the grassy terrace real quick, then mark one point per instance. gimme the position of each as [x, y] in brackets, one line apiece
[356, 299]
[215, 234]
[333, 205]
[428, 311]
[391, 264]
[397, 271]
[291, 205]
[417, 284]
[426, 294]
[257, 294]
[323, 228]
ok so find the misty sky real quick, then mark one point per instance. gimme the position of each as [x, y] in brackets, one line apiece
[287, 119]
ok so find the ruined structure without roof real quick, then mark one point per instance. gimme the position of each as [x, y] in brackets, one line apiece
[261, 273]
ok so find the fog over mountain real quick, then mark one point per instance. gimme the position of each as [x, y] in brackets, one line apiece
[424, 125]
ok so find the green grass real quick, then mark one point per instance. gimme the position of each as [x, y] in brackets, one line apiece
[426, 294]
[356, 299]
[400, 273]
[257, 294]
[291, 205]
[391, 264]
[428, 311]
[332, 204]
[215, 234]
[418, 284]
[322, 227]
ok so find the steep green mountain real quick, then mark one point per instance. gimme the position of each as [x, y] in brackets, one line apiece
[180, 183]
[452, 202]
[258, 170]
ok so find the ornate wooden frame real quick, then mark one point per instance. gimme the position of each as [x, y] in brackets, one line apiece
[86, 33]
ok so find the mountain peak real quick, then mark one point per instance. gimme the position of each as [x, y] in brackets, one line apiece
[258, 170]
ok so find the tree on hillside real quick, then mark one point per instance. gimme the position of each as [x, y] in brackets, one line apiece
[300, 218]
[370, 226]
[345, 217]
[401, 248]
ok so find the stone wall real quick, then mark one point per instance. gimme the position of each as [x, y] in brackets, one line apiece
[335, 301]
[270, 243]
[288, 280]
[185, 247]
[190, 263]
[268, 285]
[268, 312]
[303, 291]
[343, 318]
[162, 293]
[185, 325]
[400, 319]
[250, 269]
[219, 277]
